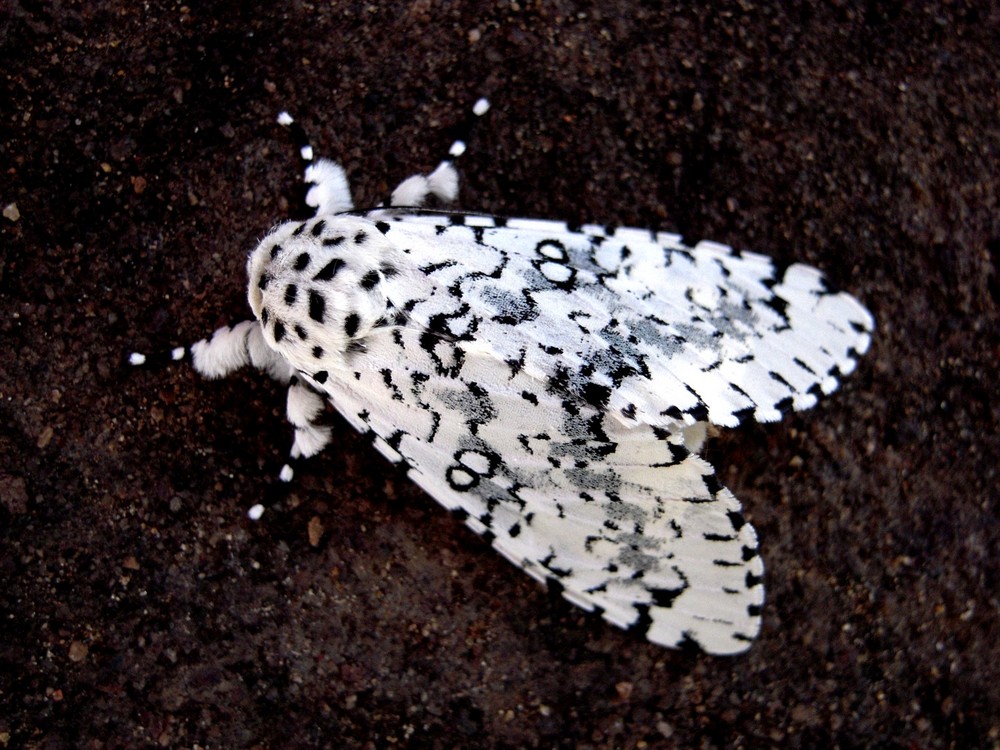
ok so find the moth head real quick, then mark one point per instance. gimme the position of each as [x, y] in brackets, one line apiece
[318, 287]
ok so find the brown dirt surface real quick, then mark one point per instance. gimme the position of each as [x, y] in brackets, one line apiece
[141, 161]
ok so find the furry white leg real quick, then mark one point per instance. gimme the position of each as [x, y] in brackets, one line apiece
[229, 349]
[330, 192]
[304, 406]
[442, 183]
[243, 345]
[224, 353]
[232, 348]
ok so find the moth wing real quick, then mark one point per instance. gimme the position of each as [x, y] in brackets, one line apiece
[627, 521]
[763, 340]
[675, 332]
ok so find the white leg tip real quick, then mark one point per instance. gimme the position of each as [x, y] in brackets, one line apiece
[255, 512]
[286, 473]
[136, 359]
[481, 107]
[285, 119]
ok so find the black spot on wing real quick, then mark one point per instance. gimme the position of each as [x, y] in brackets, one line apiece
[596, 395]
[712, 484]
[737, 520]
[673, 412]
[785, 405]
[699, 412]
[557, 572]
[666, 597]
[799, 363]
[678, 452]
[777, 377]
[779, 305]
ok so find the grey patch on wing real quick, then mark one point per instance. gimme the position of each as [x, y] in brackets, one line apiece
[631, 552]
[607, 481]
[511, 306]
[729, 314]
[652, 333]
[474, 403]
[730, 319]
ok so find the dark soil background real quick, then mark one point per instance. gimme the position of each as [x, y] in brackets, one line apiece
[140, 162]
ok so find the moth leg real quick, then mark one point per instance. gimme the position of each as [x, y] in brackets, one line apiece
[414, 191]
[304, 407]
[230, 349]
[233, 348]
[442, 183]
[327, 188]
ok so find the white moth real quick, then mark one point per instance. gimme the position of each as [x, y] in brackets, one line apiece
[552, 385]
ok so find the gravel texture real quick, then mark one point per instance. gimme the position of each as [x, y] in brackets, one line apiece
[141, 161]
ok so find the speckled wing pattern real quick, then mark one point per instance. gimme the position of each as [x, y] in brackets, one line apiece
[552, 385]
